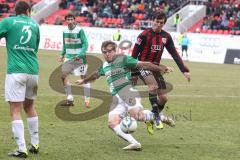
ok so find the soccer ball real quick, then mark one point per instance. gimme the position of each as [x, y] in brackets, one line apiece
[128, 124]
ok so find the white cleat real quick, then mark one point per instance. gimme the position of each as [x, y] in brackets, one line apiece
[168, 121]
[133, 146]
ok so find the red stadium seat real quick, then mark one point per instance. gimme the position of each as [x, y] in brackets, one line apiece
[214, 31]
[11, 5]
[226, 32]
[209, 31]
[203, 31]
[220, 31]
[80, 19]
[141, 16]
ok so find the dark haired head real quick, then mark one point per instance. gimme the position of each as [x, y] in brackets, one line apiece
[160, 15]
[22, 7]
[69, 15]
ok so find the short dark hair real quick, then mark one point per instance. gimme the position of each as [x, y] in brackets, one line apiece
[160, 15]
[22, 7]
[69, 15]
[107, 43]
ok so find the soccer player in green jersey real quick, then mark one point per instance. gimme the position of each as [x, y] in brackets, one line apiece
[125, 97]
[75, 45]
[21, 84]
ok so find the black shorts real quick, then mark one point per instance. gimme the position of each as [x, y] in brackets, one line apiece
[184, 48]
[157, 76]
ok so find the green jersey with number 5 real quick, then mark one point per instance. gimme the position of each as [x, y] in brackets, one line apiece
[22, 40]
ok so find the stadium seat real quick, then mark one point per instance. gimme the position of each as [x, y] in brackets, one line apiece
[11, 5]
[226, 32]
[215, 31]
[80, 19]
[203, 31]
[209, 31]
[220, 31]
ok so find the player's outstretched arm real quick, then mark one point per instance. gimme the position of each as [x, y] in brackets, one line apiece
[187, 75]
[95, 75]
[153, 67]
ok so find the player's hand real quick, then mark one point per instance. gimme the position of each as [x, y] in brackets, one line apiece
[61, 59]
[187, 75]
[134, 80]
[79, 82]
[168, 70]
[77, 59]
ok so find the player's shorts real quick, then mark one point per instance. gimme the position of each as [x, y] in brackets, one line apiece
[74, 67]
[19, 86]
[184, 48]
[157, 76]
[126, 99]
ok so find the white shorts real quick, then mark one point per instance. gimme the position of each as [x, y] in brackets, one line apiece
[125, 101]
[82, 70]
[19, 86]
[76, 68]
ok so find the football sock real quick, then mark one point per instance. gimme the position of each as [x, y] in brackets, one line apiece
[68, 89]
[18, 133]
[33, 130]
[154, 102]
[87, 87]
[161, 106]
[121, 134]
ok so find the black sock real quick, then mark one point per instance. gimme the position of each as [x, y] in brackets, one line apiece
[161, 106]
[154, 102]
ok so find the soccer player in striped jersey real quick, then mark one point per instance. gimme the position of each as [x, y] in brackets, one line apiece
[116, 68]
[73, 55]
[149, 48]
[21, 83]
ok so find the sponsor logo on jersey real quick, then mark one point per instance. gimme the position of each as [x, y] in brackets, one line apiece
[155, 48]
[139, 41]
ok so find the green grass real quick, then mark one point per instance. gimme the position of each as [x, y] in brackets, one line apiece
[211, 133]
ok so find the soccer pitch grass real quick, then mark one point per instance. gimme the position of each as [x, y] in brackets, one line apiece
[206, 111]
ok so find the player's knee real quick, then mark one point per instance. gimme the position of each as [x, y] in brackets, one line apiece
[112, 124]
[153, 88]
[63, 77]
[163, 98]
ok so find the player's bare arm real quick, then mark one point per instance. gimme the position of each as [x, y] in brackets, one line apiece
[60, 59]
[153, 67]
[95, 75]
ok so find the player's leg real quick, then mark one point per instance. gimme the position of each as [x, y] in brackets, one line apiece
[15, 86]
[32, 117]
[186, 52]
[163, 98]
[67, 68]
[182, 50]
[132, 101]
[32, 120]
[152, 84]
[87, 88]
[114, 120]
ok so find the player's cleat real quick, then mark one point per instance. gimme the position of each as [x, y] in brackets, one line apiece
[150, 127]
[87, 104]
[18, 154]
[133, 146]
[158, 124]
[168, 121]
[34, 149]
[68, 103]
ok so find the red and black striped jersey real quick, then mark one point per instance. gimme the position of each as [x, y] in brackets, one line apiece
[150, 45]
